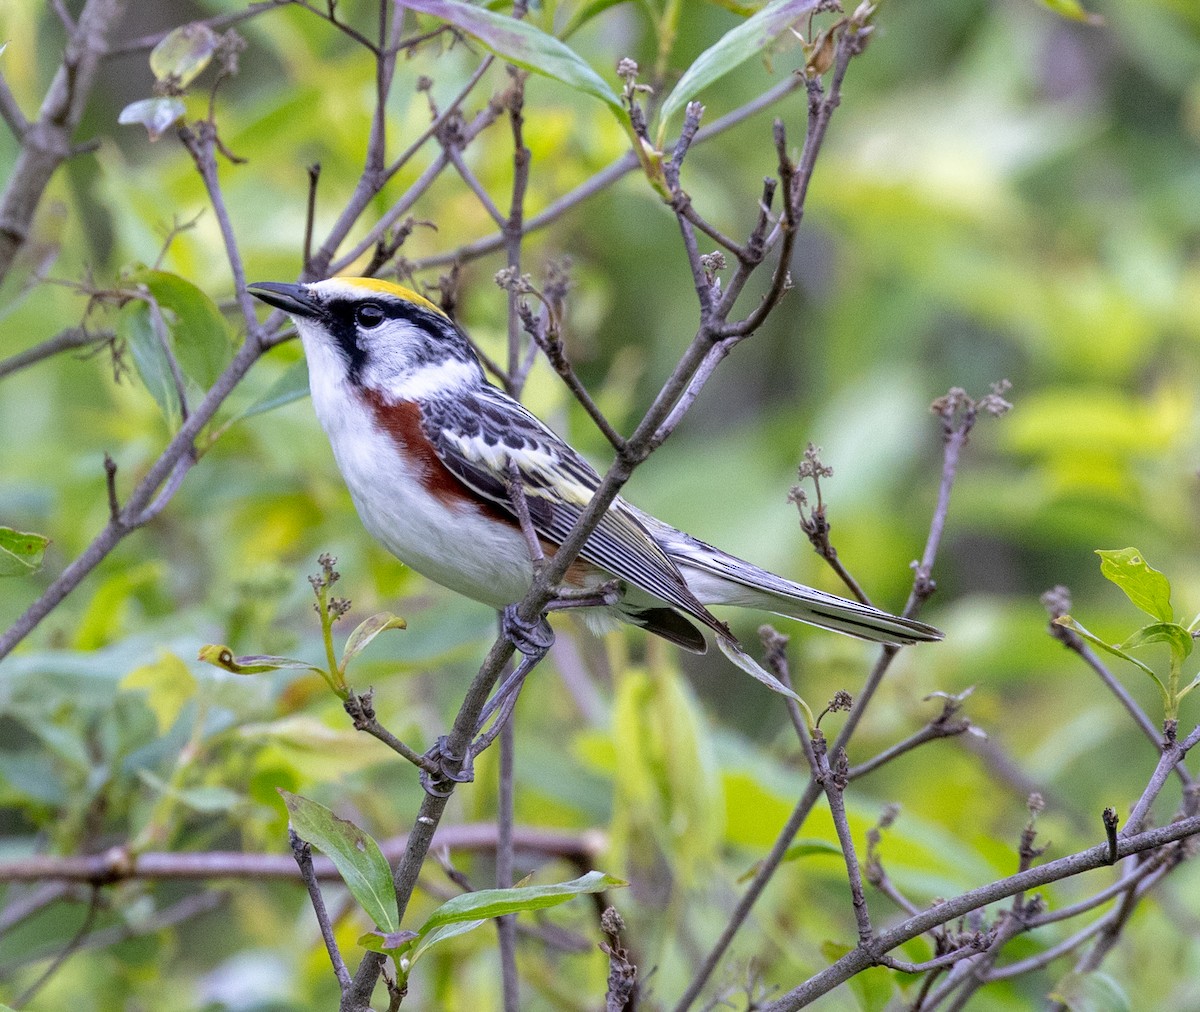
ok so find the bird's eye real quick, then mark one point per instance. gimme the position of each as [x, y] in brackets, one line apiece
[369, 315]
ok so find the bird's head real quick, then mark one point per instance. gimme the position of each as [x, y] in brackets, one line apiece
[375, 335]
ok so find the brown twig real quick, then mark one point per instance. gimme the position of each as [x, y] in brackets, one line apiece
[310, 213]
[362, 713]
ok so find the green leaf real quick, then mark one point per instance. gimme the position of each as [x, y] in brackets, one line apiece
[183, 54]
[290, 386]
[742, 10]
[393, 942]
[1090, 992]
[442, 934]
[1146, 587]
[799, 849]
[104, 618]
[486, 903]
[668, 782]
[733, 49]
[168, 685]
[157, 115]
[206, 799]
[366, 631]
[1174, 635]
[209, 799]
[1073, 10]
[20, 552]
[254, 664]
[135, 327]
[808, 848]
[466, 912]
[522, 44]
[1190, 685]
[31, 776]
[585, 12]
[356, 856]
[200, 335]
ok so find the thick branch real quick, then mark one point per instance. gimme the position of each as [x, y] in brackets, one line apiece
[48, 141]
[1066, 867]
[119, 864]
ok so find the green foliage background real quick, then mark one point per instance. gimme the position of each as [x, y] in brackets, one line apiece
[1004, 194]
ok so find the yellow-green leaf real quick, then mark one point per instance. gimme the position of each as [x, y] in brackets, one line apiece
[1145, 586]
[104, 619]
[254, 664]
[136, 328]
[20, 552]
[1073, 10]
[181, 57]
[366, 631]
[467, 911]
[168, 686]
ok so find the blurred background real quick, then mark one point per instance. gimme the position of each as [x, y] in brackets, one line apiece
[1005, 194]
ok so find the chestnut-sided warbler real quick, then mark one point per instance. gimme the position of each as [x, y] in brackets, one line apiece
[430, 449]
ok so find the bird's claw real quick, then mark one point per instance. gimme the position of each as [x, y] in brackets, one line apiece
[532, 639]
[447, 770]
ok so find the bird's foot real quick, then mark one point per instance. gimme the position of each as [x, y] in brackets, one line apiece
[447, 770]
[603, 596]
[532, 639]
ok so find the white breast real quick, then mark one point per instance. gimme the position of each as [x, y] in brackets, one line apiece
[459, 547]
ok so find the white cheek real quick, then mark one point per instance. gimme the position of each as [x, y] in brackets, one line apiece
[326, 373]
[430, 379]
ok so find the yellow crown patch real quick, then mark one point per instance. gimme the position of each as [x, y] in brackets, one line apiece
[391, 288]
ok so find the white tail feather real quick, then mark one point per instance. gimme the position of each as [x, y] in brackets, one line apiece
[716, 577]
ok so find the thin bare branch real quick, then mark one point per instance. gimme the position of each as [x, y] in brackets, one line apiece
[66, 340]
[201, 144]
[302, 853]
[506, 927]
[604, 179]
[944, 725]
[833, 778]
[144, 43]
[67, 952]
[1058, 602]
[771, 862]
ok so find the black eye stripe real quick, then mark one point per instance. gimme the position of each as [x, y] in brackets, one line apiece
[435, 339]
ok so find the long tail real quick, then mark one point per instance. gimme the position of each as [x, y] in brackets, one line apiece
[717, 577]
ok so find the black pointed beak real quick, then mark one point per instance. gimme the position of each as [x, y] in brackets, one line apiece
[294, 300]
